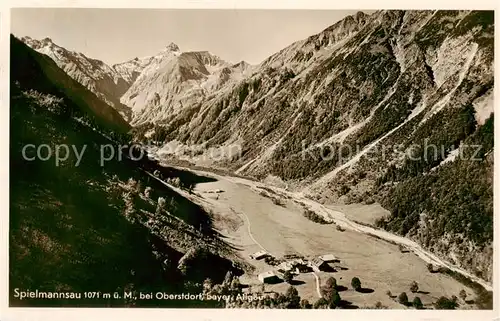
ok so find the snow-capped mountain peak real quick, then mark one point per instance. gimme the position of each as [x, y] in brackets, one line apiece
[172, 79]
[172, 47]
[35, 44]
[168, 79]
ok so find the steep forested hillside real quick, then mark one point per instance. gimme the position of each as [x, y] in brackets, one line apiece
[77, 226]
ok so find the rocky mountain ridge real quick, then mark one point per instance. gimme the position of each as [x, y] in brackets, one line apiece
[174, 79]
[141, 88]
[102, 80]
[337, 114]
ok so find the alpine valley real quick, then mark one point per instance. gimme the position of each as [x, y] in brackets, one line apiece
[351, 116]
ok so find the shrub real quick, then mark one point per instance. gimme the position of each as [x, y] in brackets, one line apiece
[160, 206]
[132, 184]
[330, 293]
[463, 294]
[277, 201]
[443, 303]
[147, 192]
[236, 286]
[207, 286]
[417, 303]
[321, 304]
[344, 190]
[414, 287]
[174, 181]
[304, 304]
[430, 267]
[334, 299]
[292, 298]
[129, 210]
[403, 298]
[288, 276]
[389, 293]
[331, 283]
[312, 216]
[356, 283]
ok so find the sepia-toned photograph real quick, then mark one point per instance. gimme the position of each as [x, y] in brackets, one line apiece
[253, 159]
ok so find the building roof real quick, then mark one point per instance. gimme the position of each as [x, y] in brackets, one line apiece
[260, 253]
[267, 274]
[328, 257]
[317, 261]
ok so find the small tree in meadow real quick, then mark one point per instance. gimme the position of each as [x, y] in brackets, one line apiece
[304, 304]
[335, 299]
[293, 298]
[356, 283]
[321, 304]
[417, 303]
[288, 276]
[443, 303]
[331, 283]
[414, 287]
[403, 298]
[463, 294]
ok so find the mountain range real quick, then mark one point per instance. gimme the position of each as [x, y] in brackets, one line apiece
[141, 88]
[336, 116]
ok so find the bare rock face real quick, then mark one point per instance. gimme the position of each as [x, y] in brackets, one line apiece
[174, 79]
[142, 88]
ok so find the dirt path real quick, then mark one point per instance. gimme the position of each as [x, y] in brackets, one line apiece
[249, 228]
[318, 282]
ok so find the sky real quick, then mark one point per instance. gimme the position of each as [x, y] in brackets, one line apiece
[117, 35]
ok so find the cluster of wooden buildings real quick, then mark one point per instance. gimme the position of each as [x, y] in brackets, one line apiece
[294, 266]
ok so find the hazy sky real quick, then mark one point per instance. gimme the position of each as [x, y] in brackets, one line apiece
[116, 35]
